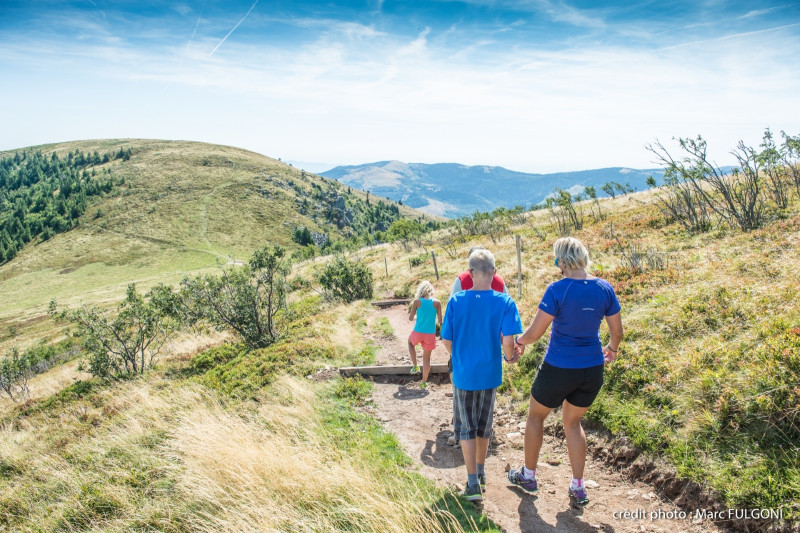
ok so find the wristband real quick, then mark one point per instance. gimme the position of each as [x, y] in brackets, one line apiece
[612, 349]
[517, 342]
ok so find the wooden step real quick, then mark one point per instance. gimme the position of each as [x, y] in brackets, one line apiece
[387, 370]
[391, 303]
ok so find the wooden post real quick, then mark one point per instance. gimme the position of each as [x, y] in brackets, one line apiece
[435, 268]
[386, 265]
[519, 268]
[409, 265]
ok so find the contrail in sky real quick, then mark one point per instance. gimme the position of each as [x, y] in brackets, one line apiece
[234, 28]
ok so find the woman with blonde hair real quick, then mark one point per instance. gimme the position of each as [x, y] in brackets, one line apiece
[428, 311]
[571, 374]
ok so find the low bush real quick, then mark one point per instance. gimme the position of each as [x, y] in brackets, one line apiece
[345, 280]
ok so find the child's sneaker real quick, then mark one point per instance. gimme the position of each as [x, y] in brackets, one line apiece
[579, 495]
[482, 481]
[473, 493]
[423, 385]
[515, 477]
[414, 369]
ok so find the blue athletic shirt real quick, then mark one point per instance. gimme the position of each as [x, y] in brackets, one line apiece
[578, 306]
[426, 316]
[474, 321]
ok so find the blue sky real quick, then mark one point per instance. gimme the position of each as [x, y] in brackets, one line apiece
[531, 85]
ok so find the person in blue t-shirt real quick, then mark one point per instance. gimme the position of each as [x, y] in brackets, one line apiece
[572, 371]
[477, 331]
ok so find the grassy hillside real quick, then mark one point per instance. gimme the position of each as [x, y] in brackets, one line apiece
[710, 364]
[183, 207]
[228, 440]
[707, 378]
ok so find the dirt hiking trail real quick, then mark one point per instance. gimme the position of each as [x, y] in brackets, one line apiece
[421, 420]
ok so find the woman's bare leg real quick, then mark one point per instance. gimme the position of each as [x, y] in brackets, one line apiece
[534, 432]
[576, 439]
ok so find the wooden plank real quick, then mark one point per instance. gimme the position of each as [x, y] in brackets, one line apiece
[390, 303]
[387, 370]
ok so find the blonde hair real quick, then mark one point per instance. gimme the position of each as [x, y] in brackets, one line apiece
[482, 260]
[424, 290]
[571, 253]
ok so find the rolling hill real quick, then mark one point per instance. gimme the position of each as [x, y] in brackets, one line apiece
[177, 207]
[453, 190]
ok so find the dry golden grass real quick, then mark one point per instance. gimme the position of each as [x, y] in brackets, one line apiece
[278, 471]
[170, 456]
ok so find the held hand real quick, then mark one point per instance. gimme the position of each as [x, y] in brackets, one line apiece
[609, 354]
[519, 349]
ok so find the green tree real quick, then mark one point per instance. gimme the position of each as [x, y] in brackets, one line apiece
[738, 199]
[302, 236]
[610, 189]
[128, 343]
[346, 280]
[15, 370]
[777, 182]
[405, 231]
[242, 299]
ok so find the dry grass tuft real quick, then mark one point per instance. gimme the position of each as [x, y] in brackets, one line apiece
[278, 471]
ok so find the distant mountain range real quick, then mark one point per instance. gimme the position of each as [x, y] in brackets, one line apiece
[452, 190]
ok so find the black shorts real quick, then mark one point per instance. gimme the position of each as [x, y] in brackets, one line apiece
[579, 386]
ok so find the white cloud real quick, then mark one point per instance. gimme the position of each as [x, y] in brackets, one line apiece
[344, 101]
[758, 12]
[182, 9]
[417, 46]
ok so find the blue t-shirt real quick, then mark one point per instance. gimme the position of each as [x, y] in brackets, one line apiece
[475, 321]
[578, 306]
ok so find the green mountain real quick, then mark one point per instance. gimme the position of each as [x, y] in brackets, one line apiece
[165, 209]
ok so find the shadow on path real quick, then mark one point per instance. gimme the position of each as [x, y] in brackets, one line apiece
[568, 520]
[437, 454]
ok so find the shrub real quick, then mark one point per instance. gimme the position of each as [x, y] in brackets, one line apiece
[244, 300]
[418, 260]
[127, 344]
[14, 374]
[346, 280]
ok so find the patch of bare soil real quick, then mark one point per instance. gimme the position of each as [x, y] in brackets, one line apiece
[421, 419]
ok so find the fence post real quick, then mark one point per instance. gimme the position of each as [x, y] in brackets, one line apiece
[519, 269]
[409, 266]
[435, 268]
[386, 266]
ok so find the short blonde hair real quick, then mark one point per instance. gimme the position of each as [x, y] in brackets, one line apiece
[571, 253]
[482, 260]
[424, 290]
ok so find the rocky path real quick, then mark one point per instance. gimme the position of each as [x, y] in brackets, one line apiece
[421, 421]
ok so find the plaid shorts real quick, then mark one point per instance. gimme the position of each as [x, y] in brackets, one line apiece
[473, 413]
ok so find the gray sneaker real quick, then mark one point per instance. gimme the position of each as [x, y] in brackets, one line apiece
[529, 485]
[473, 493]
